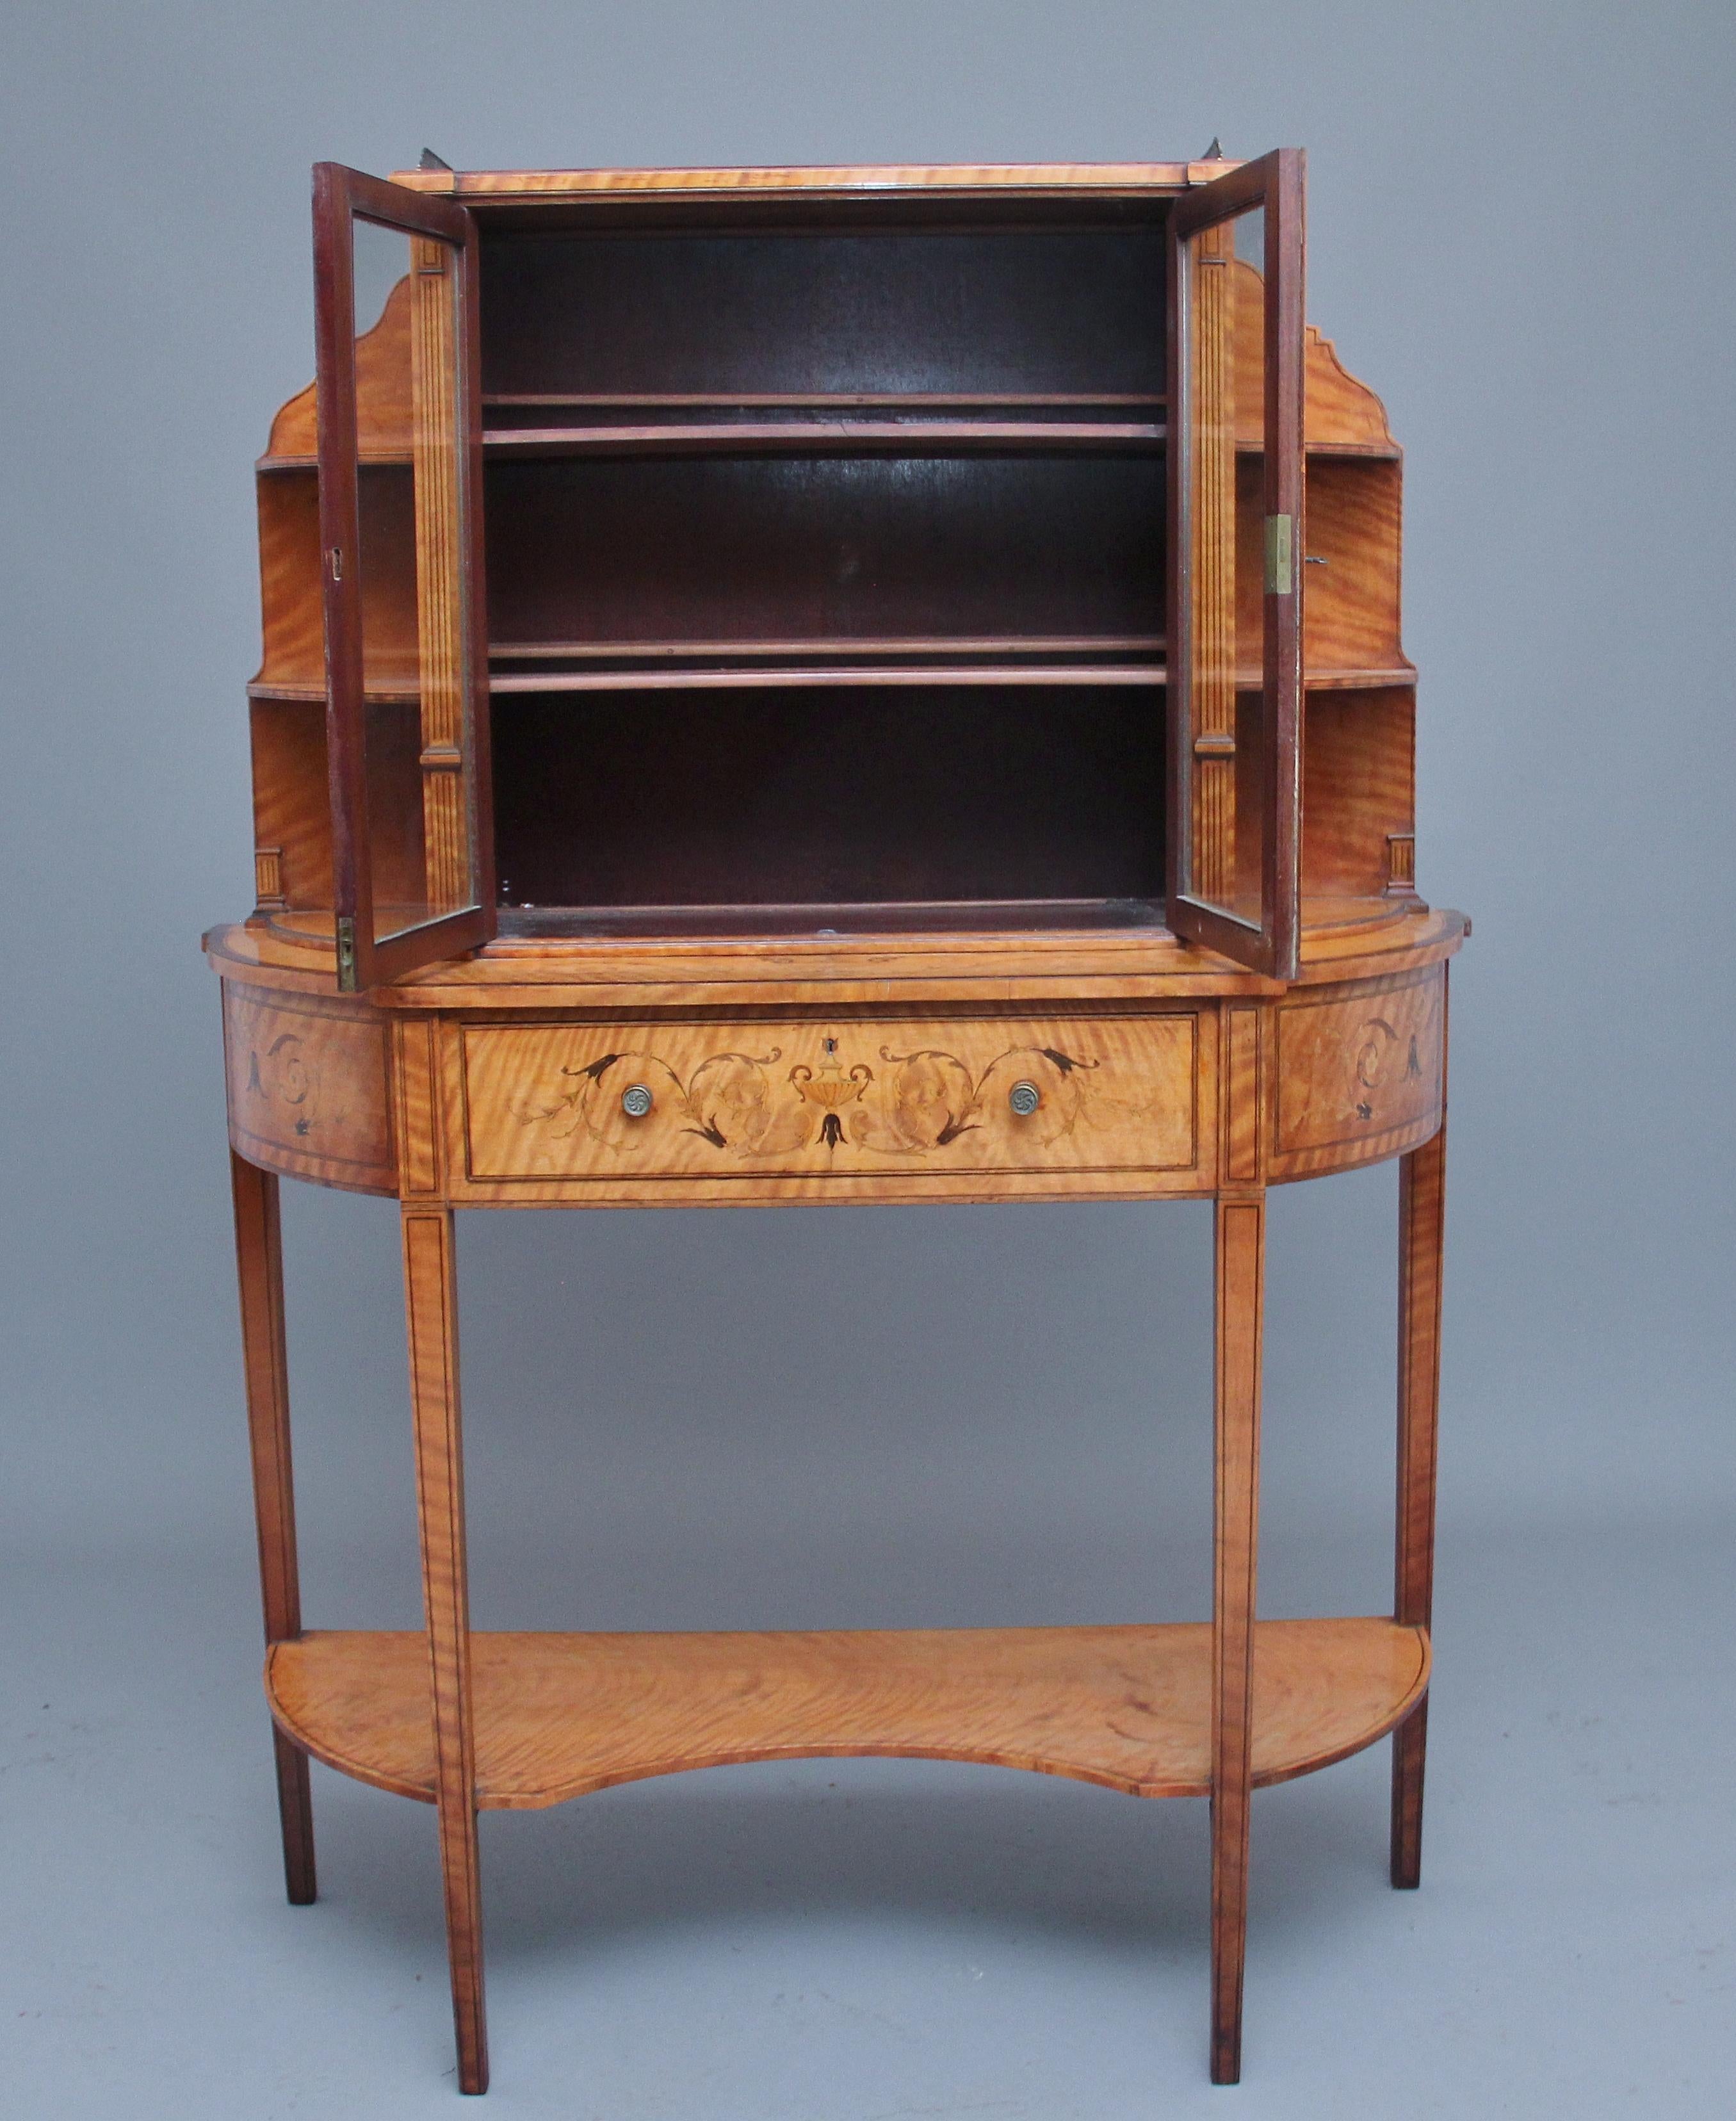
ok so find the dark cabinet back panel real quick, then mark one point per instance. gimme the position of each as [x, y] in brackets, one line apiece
[968, 311]
[838, 795]
[767, 548]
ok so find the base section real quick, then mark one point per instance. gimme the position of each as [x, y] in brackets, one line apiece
[1130, 1708]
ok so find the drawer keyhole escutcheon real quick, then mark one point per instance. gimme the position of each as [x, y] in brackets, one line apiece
[635, 1100]
[1024, 1097]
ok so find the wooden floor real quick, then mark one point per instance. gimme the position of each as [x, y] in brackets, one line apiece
[1127, 1707]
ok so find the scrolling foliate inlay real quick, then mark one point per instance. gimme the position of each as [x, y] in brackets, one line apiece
[280, 1074]
[753, 1105]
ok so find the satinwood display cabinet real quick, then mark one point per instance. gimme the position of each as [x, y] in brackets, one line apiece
[847, 685]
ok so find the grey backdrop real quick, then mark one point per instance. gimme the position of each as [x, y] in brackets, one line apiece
[1521, 225]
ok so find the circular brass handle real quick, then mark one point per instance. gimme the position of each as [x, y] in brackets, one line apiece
[1024, 1097]
[636, 1101]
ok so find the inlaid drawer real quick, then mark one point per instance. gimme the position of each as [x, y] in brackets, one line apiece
[1360, 1072]
[977, 1106]
[308, 1087]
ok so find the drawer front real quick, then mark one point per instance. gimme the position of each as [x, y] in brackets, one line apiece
[907, 1106]
[1360, 1072]
[308, 1088]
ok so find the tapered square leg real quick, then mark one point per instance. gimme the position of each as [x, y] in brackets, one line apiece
[1410, 1743]
[430, 1305]
[1240, 1248]
[259, 1268]
[1422, 1231]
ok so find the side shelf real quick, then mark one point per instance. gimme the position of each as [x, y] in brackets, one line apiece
[1128, 1707]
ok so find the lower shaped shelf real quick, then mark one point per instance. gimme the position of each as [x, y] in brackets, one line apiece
[1130, 1708]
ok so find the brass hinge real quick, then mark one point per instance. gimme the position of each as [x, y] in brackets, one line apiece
[346, 954]
[1280, 555]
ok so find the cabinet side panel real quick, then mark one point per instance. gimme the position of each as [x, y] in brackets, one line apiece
[292, 807]
[1339, 411]
[292, 616]
[1358, 749]
[1353, 561]
[383, 410]
[1350, 617]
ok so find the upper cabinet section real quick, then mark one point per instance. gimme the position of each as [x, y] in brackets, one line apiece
[865, 552]
[407, 673]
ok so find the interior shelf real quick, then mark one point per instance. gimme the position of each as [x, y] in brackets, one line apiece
[1129, 1708]
[995, 648]
[706, 405]
[837, 434]
[902, 434]
[757, 676]
[642, 677]
[662, 666]
[841, 435]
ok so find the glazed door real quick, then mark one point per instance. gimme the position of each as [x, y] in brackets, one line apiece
[1235, 563]
[400, 516]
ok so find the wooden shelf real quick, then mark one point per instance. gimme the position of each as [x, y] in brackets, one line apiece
[702, 405]
[839, 435]
[834, 919]
[654, 673]
[1361, 679]
[738, 679]
[270, 688]
[1129, 1708]
[399, 459]
[1247, 445]
[1344, 452]
[808, 424]
[640, 678]
[617, 666]
[995, 648]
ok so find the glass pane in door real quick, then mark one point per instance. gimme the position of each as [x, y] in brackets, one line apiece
[410, 475]
[1235, 601]
[1224, 346]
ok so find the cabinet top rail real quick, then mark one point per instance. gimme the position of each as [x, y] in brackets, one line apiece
[965, 178]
